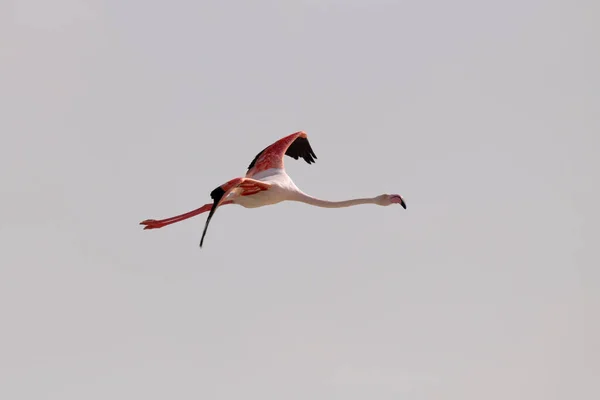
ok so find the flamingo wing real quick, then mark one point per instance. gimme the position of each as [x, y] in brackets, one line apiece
[295, 145]
[238, 186]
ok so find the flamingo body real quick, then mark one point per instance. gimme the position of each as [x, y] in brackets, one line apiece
[281, 188]
[267, 183]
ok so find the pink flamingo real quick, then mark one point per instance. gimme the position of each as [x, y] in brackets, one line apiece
[266, 183]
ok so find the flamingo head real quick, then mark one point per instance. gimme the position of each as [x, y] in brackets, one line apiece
[388, 199]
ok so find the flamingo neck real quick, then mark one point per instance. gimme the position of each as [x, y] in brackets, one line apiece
[304, 198]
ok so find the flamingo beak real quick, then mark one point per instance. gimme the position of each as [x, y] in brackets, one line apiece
[397, 199]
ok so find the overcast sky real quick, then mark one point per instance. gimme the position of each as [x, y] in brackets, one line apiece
[485, 116]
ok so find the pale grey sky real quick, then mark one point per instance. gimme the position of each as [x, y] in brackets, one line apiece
[483, 115]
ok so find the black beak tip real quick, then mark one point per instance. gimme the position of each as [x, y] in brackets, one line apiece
[403, 204]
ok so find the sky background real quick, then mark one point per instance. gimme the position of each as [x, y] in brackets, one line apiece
[484, 115]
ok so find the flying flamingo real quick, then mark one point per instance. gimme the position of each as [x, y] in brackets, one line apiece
[266, 183]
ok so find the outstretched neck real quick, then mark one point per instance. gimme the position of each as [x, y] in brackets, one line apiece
[304, 198]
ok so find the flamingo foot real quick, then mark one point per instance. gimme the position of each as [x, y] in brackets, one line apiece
[152, 224]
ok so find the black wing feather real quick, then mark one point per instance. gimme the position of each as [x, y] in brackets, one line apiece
[301, 148]
[216, 195]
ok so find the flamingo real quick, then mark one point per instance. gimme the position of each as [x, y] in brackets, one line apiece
[266, 183]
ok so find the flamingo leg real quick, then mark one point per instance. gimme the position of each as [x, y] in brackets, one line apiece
[155, 224]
